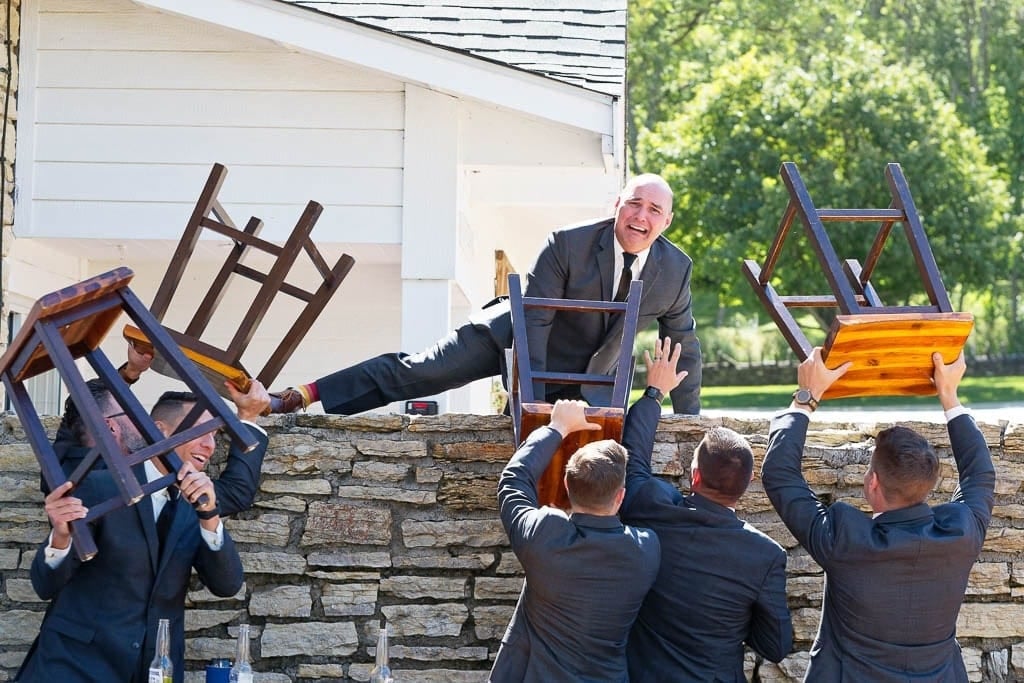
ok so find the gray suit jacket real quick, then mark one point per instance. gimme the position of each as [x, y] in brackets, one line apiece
[586, 576]
[102, 621]
[894, 584]
[577, 262]
[734, 577]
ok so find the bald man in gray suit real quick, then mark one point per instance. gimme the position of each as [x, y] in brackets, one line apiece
[895, 579]
[583, 261]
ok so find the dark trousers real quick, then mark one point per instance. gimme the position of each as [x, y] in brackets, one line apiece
[467, 354]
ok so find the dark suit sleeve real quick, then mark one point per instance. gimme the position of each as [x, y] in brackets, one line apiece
[806, 517]
[48, 582]
[547, 279]
[220, 570]
[237, 485]
[771, 628]
[678, 323]
[638, 433]
[974, 465]
[517, 488]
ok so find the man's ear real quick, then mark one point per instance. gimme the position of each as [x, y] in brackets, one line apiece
[164, 428]
[695, 479]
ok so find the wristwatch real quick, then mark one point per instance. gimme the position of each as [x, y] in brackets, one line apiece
[655, 393]
[804, 397]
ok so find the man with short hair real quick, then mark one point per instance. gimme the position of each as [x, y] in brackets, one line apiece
[101, 624]
[722, 582]
[589, 261]
[238, 481]
[586, 573]
[894, 581]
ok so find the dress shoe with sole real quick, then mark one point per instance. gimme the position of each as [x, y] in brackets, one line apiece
[287, 401]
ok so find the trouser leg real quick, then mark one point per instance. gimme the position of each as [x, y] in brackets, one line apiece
[467, 354]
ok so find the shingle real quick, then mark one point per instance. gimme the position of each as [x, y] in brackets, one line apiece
[583, 43]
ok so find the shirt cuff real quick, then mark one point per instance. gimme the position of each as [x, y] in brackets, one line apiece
[54, 556]
[802, 411]
[255, 426]
[214, 539]
[956, 411]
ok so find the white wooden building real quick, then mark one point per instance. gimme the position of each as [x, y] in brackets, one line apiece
[433, 134]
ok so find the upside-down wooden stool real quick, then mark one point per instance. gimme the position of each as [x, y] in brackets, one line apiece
[220, 364]
[890, 346]
[528, 413]
[70, 323]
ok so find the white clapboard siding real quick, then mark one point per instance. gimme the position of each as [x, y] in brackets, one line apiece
[161, 183]
[282, 71]
[306, 110]
[165, 220]
[230, 146]
[132, 106]
[131, 29]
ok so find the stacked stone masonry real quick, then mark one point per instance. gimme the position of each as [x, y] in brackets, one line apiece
[363, 519]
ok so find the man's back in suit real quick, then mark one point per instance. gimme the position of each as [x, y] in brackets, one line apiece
[895, 580]
[722, 582]
[586, 575]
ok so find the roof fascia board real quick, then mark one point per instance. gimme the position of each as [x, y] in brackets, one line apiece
[405, 59]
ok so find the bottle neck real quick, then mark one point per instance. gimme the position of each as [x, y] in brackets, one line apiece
[382, 648]
[163, 638]
[242, 654]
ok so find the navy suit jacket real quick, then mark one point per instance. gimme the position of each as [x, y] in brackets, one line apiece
[894, 584]
[578, 262]
[722, 582]
[586, 576]
[101, 624]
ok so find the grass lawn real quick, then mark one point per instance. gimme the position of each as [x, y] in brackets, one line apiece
[973, 390]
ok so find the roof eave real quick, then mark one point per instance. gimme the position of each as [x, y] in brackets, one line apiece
[407, 59]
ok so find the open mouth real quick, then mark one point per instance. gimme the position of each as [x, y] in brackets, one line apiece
[638, 228]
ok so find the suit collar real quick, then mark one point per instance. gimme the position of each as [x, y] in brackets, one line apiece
[708, 505]
[596, 521]
[907, 514]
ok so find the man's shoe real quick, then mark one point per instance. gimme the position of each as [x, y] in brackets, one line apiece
[287, 401]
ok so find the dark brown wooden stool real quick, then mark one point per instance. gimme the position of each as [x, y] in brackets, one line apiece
[69, 324]
[890, 346]
[528, 413]
[220, 364]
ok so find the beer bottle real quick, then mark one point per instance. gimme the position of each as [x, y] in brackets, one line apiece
[161, 670]
[381, 672]
[241, 672]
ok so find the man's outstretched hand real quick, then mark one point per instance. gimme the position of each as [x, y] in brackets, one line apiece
[661, 370]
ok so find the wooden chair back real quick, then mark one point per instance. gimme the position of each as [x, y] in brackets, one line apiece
[227, 363]
[530, 412]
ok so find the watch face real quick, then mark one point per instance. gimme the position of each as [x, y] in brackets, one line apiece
[803, 396]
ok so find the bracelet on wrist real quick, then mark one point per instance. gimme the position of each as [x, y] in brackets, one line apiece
[208, 514]
[123, 371]
[655, 393]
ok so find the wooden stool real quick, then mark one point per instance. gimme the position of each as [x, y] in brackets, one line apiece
[890, 346]
[528, 413]
[220, 364]
[70, 324]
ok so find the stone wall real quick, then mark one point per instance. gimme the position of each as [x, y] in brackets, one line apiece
[367, 518]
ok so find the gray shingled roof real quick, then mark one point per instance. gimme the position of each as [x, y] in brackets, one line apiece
[578, 41]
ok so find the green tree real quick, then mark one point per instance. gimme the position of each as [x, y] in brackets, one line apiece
[841, 119]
